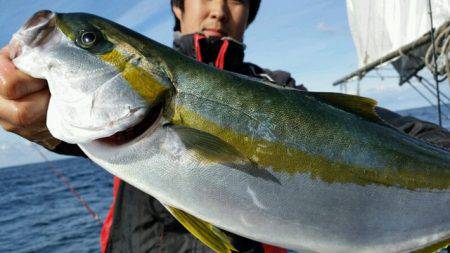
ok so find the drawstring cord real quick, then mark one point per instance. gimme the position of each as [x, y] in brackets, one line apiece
[220, 60]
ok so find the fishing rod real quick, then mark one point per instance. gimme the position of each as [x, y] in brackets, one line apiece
[66, 182]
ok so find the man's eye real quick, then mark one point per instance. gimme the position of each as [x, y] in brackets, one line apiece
[240, 1]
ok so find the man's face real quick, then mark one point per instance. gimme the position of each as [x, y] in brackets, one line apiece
[217, 18]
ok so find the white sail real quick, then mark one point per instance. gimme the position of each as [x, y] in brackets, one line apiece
[381, 26]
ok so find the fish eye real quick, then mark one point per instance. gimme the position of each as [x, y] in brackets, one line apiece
[93, 40]
[87, 39]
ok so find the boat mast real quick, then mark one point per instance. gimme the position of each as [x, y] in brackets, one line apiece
[435, 72]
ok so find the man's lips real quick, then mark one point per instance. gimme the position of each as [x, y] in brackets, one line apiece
[214, 32]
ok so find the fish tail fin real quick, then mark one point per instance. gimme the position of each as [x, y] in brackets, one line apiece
[435, 247]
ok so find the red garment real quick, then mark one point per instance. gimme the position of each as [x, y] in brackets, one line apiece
[106, 228]
[197, 38]
[272, 249]
[220, 61]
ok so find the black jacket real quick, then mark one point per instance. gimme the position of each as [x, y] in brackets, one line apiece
[142, 224]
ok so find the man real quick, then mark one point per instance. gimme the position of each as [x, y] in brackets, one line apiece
[210, 31]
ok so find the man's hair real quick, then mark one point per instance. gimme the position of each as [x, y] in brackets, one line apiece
[253, 10]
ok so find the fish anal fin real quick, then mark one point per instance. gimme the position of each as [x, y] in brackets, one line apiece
[211, 236]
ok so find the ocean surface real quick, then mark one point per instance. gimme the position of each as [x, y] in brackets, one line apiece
[430, 114]
[39, 214]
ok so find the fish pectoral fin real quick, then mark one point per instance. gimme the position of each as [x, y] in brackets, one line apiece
[211, 236]
[362, 106]
[209, 146]
[435, 247]
[213, 149]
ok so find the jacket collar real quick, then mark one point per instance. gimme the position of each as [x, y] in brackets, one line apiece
[225, 53]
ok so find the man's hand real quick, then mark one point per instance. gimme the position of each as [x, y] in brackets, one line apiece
[23, 103]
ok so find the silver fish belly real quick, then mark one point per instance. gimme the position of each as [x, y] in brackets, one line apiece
[294, 212]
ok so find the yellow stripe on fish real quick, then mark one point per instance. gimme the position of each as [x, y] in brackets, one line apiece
[138, 78]
[283, 159]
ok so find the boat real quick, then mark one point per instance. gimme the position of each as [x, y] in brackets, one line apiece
[407, 35]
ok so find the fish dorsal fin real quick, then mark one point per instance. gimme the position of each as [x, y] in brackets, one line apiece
[435, 247]
[209, 146]
[211, 236]
[361, 106]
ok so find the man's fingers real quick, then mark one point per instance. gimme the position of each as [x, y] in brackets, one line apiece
[5, 51]
[16, 84]
[23, 103]
[40, 134]
[28, 112]
[8, 126]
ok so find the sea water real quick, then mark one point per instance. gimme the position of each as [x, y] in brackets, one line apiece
[39, 214]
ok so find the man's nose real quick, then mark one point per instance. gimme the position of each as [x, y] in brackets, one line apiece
[219, 10]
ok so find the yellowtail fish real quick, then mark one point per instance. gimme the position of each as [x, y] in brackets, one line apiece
[307, 171]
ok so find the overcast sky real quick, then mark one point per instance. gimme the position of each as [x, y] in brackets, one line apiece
[309, 38]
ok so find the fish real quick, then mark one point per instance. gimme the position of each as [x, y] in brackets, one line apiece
[306, 171]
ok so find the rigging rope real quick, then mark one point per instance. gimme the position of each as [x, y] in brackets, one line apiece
[442, 46]
[420, 93]
[426, 98]
[66, 182]
[432, 87]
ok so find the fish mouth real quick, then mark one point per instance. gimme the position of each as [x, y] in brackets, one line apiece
[35, 32]
[146, 125]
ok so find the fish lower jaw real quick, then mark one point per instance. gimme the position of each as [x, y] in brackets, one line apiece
[144, 127]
